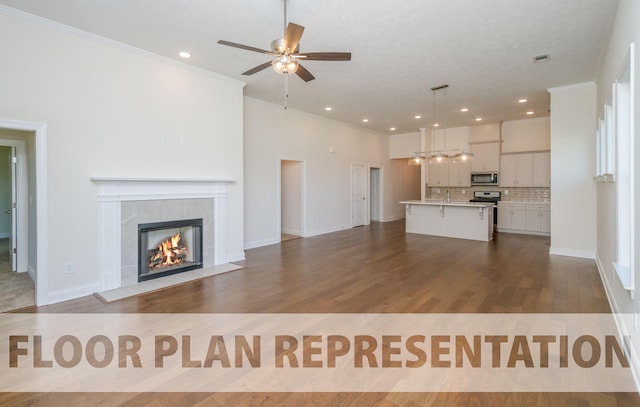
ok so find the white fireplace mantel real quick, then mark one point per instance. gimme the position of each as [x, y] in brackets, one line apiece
[113, 191]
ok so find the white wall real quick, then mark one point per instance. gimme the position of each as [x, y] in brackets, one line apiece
[625, 30]
[291, 190]
[107, 109]
[526, 135]
[573, 191]
[484, 132]
[272, 133]
[404, 145]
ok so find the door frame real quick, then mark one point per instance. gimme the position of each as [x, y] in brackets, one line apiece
[22, 198]
[380, 193]
[303, 194]
[42, 268]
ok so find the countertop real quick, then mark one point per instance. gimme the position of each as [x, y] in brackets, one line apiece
[438, 202]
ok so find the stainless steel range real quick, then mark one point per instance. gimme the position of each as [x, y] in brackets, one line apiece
[488, 196]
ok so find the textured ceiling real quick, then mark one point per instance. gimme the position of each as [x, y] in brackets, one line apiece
[400, 49]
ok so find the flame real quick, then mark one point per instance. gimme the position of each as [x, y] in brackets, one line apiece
[168, 251]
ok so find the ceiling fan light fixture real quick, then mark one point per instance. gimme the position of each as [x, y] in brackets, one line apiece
[285, 65]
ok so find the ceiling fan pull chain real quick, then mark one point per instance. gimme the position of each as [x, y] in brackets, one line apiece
[286, 90]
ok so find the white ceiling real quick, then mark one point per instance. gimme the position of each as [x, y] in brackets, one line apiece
[482, 49]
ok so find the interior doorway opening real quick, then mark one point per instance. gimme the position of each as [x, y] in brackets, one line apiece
[17, 275]
[291, 199]
[375, 194]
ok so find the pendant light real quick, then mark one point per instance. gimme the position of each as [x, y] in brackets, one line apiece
[417, 159]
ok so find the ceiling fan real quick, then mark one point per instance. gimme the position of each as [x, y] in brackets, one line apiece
[286, 53]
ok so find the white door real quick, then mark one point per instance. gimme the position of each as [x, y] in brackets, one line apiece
[12, 245]
[357, 194]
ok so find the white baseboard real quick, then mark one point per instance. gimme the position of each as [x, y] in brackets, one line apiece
[291, 231]
[260, 243]
[327, 230]
[238, 256]
[73, 293]
[623, 329]
[584, 254]
[393, 218]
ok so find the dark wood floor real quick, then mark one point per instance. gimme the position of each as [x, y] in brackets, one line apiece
[371, 269]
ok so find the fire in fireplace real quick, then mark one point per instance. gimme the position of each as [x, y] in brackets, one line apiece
[169, 247]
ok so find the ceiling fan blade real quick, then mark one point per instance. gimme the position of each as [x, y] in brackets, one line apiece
[257, 68]
[292, 36]
[247, 47]
[304, 74]
[325, 56]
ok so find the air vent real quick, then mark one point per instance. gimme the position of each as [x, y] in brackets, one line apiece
[541, 58]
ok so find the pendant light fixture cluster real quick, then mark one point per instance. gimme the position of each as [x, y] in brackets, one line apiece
[444, 155]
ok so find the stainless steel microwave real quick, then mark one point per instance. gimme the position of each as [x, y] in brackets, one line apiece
[484, 178]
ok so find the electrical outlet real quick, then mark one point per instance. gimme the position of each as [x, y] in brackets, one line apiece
[506, 192]
[165, 140]
[464, 191]
[68, 269]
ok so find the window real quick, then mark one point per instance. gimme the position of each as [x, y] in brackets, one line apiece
[623, 105]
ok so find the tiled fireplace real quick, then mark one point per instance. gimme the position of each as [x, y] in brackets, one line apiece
[151, 228]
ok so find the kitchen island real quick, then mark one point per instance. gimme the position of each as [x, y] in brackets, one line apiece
[463, 220]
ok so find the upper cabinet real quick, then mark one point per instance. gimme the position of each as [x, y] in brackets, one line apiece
[525, 170]
[486, 157]
[460, 174]
[453, 174]
[439, 175]
[542, 169]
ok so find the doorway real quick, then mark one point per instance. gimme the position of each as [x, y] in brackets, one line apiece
[375, 194]
[291, 199]
[17, 287]
[34, 239]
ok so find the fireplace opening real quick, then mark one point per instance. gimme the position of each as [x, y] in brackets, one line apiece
[166, 248]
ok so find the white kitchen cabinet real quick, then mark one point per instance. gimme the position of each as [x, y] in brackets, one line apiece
[460, 174]
[516, 170]
[542, 169]
[511, 215]
[439, 175]
[486, 157]
[538, 217]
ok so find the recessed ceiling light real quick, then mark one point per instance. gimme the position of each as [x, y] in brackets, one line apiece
[529, 112]
[464, 109]
[365, 120]
[523, 100]
[417, 116]
[436, 124]
[184, 54]
[392, 129]
[478, 119]
[328, 109]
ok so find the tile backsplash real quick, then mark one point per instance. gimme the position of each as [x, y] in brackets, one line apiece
[514, 194]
